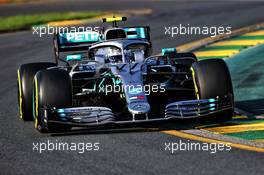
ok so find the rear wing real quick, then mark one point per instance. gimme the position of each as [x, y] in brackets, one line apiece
[138, 32]
[74, 41]
[81, 41]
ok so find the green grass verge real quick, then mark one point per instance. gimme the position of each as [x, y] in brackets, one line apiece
[261, 37]
[215, 48]
[248, 135]
[22, 22]
[15, 1]
[210, 57]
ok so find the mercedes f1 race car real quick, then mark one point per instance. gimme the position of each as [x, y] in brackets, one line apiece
[110, 77]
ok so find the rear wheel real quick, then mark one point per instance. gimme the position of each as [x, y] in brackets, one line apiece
[52, 88]
[212, 79]
[25, 75]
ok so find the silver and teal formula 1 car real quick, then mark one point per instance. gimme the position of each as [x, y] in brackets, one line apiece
[110, 77]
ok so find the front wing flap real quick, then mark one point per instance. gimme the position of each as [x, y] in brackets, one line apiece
[81, 115]
[196, 108]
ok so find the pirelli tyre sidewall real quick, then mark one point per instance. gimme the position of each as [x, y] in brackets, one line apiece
[52, 88]
[25, 75]
[212, 79]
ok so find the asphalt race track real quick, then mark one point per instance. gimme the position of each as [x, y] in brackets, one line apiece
[126, 151]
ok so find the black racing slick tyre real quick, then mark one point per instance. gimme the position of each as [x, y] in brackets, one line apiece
[212, 79]
[52, 88]
[25, 75]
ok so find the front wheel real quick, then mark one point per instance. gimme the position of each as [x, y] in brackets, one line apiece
[25, 75]
[52, 88]
[211, 80]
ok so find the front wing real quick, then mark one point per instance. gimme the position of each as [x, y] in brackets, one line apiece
[96, 116]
